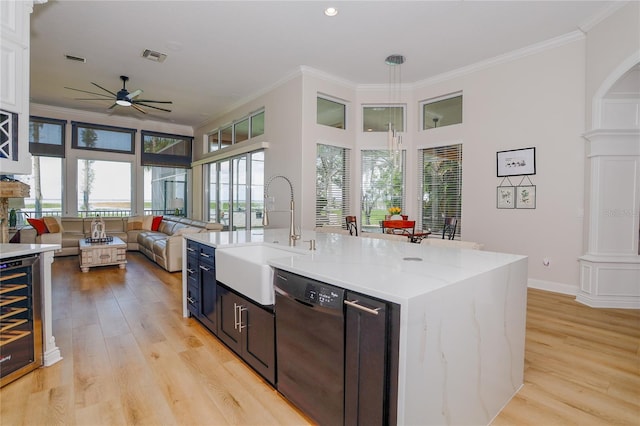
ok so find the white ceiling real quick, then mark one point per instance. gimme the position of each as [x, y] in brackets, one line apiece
[222, 52]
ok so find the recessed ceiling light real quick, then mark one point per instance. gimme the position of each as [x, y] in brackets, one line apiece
[331, 11]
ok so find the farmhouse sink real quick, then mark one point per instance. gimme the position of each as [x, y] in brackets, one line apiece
[245, 269]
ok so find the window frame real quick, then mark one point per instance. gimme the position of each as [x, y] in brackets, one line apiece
[166, 160]
[250, 131]
[403, 119]
[423, 104]
[435, 222]
[345, 195]
[75, 125]
[47, 149]
[336, 101]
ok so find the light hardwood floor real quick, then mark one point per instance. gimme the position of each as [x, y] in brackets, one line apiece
[130, 358]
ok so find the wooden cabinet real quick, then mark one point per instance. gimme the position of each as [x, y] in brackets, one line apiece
[201, 284]
[371, 360]
[249, 330]
[14, 82]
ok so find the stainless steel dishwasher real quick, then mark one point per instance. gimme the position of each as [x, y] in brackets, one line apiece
[310, 346]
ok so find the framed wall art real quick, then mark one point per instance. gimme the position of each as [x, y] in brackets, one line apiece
[506, 197]
[526, 197]
[516, 162]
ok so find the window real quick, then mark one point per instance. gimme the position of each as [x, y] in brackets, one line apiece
[377, 118]
[103, 138]
[232, 201]
[441, 177]
[332, 185]
[104, 187]
[45, 182]
[160, 149]
[443, 111]
[257, 124]
[165, 191]
[46, 136]
[382, 186]
[239, 131]
[330, 113]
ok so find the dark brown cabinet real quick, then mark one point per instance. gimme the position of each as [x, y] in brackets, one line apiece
[249, 330]
[371, 360]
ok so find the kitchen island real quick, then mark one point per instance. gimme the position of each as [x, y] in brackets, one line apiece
[462, 315]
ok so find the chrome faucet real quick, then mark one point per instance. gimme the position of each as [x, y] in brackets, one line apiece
[265, 217]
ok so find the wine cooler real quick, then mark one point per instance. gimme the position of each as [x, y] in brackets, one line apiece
[20, 321]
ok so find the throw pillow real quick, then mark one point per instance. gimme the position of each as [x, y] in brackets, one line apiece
[38, 225]
[52, 224]
[147, 221]
[155, 224]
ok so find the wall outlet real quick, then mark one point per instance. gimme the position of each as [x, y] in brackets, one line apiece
[546, 261]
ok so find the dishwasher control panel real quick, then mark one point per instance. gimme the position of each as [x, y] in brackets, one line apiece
[308, 290]
[329, 297]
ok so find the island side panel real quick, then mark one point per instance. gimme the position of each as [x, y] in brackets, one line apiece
[464, 354]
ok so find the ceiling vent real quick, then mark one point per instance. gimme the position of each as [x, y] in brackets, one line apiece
[153, 55]
[75, 58]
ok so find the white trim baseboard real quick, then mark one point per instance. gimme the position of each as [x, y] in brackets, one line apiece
[555, 287]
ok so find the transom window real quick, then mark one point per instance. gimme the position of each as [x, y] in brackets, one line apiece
[46, 136]
[240, 130]
[331, 113]
[103, 138]
[442, 111]
[376, 118]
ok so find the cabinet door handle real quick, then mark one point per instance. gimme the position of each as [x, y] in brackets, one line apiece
[191, 271]
[190, 249]
[204, 268]
[191, 300]
[204, 255]
[237, 317]
[362, 308]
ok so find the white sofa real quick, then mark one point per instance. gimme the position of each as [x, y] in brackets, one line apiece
[163, 246]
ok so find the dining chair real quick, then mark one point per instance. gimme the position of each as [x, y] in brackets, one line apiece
[352, 225]
[449, 228]
[402, 227]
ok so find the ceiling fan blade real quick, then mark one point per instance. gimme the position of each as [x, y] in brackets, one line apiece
[86, 91]
[154, 102]
[150, 106]
[108, 91]
[138, 108]
[112, 106]
[92, 99]
[134, 94]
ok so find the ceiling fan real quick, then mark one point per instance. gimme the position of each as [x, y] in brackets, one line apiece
[123, 97]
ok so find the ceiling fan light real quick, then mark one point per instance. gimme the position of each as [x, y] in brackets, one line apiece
[123, 102]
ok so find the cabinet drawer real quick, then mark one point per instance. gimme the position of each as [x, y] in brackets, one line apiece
[193, 299]
[193, 248]
[207, 255]
[192, 270]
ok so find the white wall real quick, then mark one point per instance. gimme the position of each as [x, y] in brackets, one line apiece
[283, 132]
[610, 43]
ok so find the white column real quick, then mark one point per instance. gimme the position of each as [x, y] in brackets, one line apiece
[610, 270]
[51, 351]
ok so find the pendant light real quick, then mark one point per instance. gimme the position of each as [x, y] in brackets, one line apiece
[394, 138]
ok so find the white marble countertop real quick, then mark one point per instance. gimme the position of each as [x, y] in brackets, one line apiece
[13, 250]
[390, 270]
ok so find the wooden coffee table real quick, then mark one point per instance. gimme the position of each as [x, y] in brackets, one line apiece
[103, 253]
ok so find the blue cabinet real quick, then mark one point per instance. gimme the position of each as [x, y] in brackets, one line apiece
[201, 284]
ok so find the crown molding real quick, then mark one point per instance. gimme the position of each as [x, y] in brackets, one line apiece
[501, 59]
[603, 14]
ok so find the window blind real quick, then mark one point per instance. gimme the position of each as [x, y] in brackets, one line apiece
[440, 171]
[333, 181]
